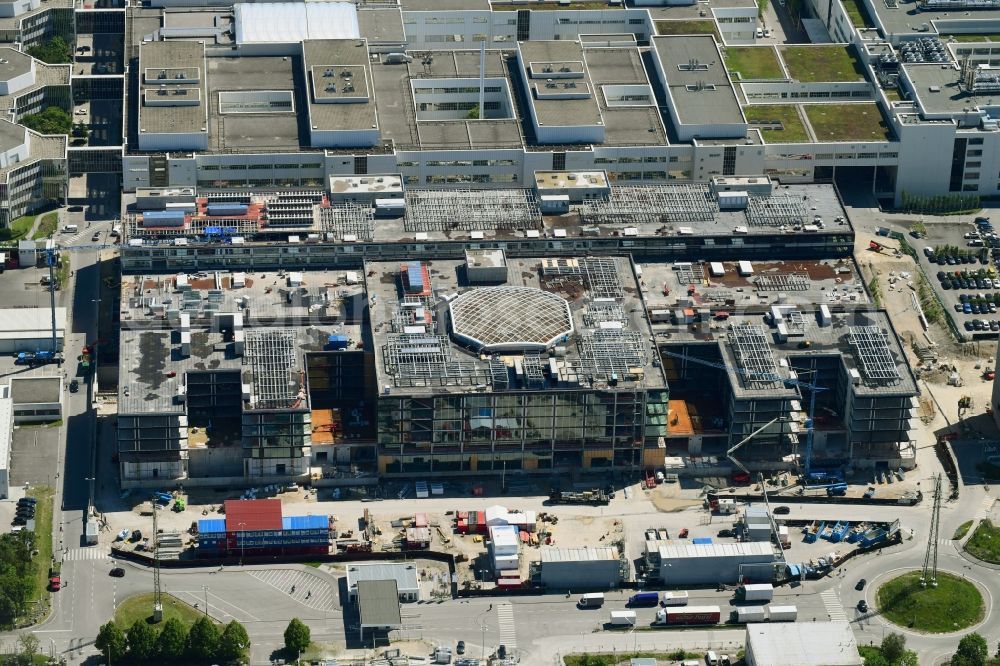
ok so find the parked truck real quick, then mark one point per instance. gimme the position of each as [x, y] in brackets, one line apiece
[746, 614]
[623, 618]
[675, 598]
[644, 599]
[782, 613]
[755, 592]
[594, 497]
[689, 615]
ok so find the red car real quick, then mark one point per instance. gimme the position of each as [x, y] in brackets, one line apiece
[55, 583]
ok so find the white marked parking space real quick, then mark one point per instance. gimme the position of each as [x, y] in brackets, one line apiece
[301, 586]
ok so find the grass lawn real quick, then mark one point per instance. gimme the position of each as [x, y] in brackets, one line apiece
[43, 544]
[962, 530]
[973, 38]
[953, 605]
[892, 94]
[47, 226]
[985, 543]
[858, 14]
[18, 228]
[847, 122]
[787, 115]
[687, 28]
[623, 658]
[821, 64]
[62, 270]
[753, 62]
[140, 607]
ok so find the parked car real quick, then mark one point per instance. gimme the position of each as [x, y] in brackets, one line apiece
[863, 606]
[782, 510]
[136, 535]
[55, 583]
[460, 647]
[123, 535]
[74, 386]
[27, 500]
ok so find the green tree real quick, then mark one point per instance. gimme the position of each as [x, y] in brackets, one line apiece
[52, 51]
[233, 643]
[172, 641]
[909, 658]
[52, 120]
[297, 636]
[203, 639]
[27, 645]
[876, 659]
[972, 651]
[893, 647]
[111, 642]
[141, 640]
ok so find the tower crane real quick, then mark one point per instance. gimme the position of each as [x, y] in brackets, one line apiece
[813, 390]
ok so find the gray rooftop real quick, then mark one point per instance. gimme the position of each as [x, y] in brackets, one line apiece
[168, 60]
[378, 603]
[697, 81]
[442, 5]
[40, 147]
[35, 390]
[404, 573]
[11, 135]
[803, 644]
[610, 335]
[45, 75]
[338, 101]
[13, 63]
[14, 22]
[903, 17]
[381, 25]
[936, 89]
[540, 59]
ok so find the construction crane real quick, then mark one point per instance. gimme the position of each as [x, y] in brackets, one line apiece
[813, 390]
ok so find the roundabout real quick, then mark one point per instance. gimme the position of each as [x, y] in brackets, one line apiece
[955, 604]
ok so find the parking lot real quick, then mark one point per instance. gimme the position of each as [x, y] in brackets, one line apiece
[960, 263]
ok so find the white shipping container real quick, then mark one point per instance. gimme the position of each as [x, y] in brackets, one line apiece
[733, 200]
[782, 613]
[751, 614]
[745, 268]
[716, 268]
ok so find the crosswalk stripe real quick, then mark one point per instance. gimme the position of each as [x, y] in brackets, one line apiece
[508, 630]
[93, 553]
[309, 590]
[945, 542]
[833, 606]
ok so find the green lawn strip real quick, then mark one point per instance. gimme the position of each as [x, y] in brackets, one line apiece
[821, 64]
[19, 228]
[47, 226]
[610, 659]
[794, 131]
[847, 122]
[858, 14]
[985, 543]
[140, 607]
[993, 37]
[952, 605]
[962, 530]
[43, 544]
[687, 28]
[753, 62]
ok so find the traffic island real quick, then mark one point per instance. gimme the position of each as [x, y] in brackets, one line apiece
[984, 544]
[954, 604]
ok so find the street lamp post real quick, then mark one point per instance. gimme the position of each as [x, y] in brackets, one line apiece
[243, 542]
[205, 588]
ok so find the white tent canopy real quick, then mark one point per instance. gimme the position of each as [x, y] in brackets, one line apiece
[291, 22]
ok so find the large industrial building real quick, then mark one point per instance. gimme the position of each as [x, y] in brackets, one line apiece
[682, 563]
[801, 644]
[581, 568]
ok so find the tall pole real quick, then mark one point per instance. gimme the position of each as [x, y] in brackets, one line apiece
[243, 543]
[205, 588]
[157, 597]
[50, 259]
[482, 77]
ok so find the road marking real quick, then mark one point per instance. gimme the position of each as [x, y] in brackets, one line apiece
[92, 553]
[834, 608]
[310, 590]
[508, 631]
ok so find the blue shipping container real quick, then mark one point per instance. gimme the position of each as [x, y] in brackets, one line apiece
[212, 525]
[163, 218]
[305, 522]
[702, 540]
[337, 342]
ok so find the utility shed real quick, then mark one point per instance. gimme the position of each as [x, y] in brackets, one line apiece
[378, 606]
[30, 329]
[581, 568]
[801, 644]
[404, 574]
[700, 564]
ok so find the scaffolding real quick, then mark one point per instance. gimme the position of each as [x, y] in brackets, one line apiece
[782, 282]
[274, 369]
[423, 359]
[348, 221]
[534, 376]
[471, 210]
[613, 354]
[871, 345]
[776, 210]
[652, 204]
[599, 274]
[753, 355]
[599, 312]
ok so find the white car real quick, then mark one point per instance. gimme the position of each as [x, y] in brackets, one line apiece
[80, 112]
[123, 535]
[760, 33]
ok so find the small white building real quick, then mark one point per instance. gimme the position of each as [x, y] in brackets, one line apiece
[404, 573]
[36, 399]
[30, 329]
[801, 644]
[504, 547]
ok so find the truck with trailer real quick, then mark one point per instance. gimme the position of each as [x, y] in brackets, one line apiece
[755, 592]
[594, 497]
[644, 599]
[623, 618]
[782, 613]
[675, 598]
[688, 615]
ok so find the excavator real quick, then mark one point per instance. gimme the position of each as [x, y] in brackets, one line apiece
[882, 248]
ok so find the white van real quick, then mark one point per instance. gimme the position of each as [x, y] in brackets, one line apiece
[70, 228]
[116, 232]
[711, 659]
[591, 600]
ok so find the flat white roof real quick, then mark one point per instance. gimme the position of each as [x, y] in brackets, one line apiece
[802, 644]
[503, 535]
[292, 22]
[31, 323]
[405, 575]
[676, 551]
[578, 554]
